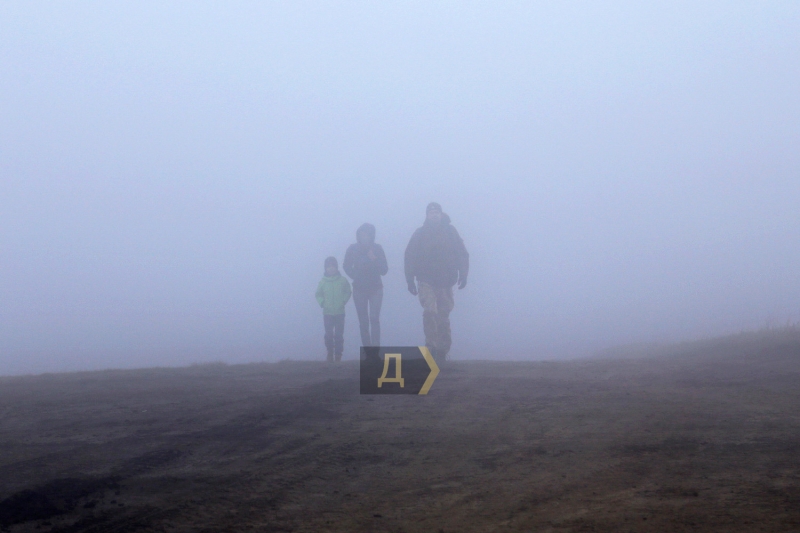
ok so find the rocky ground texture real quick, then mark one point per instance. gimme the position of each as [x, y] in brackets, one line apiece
[703, 436]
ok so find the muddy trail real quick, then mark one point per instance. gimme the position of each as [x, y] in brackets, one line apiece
[702, 437]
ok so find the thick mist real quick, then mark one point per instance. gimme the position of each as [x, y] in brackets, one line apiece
[172, 175]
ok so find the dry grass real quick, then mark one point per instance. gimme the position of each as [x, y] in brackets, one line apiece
[701, 436]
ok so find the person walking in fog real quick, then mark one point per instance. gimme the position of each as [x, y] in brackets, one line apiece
[437, 258]
[365, 263]
[333, 292]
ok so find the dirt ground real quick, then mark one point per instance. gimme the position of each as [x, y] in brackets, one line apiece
[700, 437]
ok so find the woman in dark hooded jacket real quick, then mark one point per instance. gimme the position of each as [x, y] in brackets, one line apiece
[365, 263]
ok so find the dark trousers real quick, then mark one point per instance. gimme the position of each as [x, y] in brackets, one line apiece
[334, 335]
[368, 307]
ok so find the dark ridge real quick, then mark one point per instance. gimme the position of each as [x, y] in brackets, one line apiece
[55, 498]
[779, 342]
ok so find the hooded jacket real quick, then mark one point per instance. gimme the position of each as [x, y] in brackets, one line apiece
[436, 254]
[332, 293]
[365, 272]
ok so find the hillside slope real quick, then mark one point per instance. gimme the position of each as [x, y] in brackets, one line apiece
[703, 437]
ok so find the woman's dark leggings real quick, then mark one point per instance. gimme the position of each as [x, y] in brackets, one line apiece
[368, 308]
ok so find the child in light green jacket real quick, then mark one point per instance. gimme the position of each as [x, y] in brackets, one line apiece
[333, 292]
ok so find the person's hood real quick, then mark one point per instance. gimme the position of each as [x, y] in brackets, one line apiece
[445, 220]
[332, 278]
[369, 230]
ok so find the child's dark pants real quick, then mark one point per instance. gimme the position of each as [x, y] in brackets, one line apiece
[334, 336]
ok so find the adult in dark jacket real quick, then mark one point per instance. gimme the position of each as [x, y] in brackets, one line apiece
[435, 260]
[365, 263]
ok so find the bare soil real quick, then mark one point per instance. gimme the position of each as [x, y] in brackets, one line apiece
[702, 437]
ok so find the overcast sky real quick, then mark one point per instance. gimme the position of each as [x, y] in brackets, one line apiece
[173, 174]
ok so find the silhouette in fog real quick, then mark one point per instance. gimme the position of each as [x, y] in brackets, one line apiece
[333, 292]
[437, 258]
[365, 263]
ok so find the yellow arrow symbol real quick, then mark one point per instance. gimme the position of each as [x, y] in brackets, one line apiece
[434, 370]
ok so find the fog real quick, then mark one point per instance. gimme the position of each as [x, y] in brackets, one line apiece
[173, 175]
